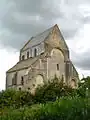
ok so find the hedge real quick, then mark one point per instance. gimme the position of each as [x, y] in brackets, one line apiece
[65, 108]
[48, 92]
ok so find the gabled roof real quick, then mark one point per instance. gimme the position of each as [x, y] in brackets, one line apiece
[38, 38]
[23, 64]
[32, 42]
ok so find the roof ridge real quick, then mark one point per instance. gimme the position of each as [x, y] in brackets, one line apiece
[27, 66]
[44, 31]
[39, 35]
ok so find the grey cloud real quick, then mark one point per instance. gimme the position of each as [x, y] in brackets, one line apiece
[43, 8]
[16, 41]
[25, 18]
[30, 8]
[22, 26]
[82, 60]
[86, 19]
[70, 33]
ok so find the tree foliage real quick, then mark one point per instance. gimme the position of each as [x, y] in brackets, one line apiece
[84, 87]
[65, 108]
[51, 91]
[53, 101]
[15, 99]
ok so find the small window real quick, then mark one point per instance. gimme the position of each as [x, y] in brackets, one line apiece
[28, 88]
[35, 52]
[14, 79]
[20, 88]
[23, 57]
[33, 85]
[22, 80]
[42, 53]
[57, 66]
[27, 54]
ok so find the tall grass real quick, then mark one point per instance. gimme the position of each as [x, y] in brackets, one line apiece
[65, 108]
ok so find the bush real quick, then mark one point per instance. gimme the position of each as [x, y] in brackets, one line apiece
[53, 101]
[49, 92]
[15, 99]
[65, 108]
[52, 91]
[84, 87]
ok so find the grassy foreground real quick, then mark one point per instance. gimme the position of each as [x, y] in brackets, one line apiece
[53, 101]
[65, 108]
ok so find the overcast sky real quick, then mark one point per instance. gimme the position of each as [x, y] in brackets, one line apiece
[22, 19]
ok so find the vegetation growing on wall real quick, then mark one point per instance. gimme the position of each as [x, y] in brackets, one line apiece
[53, 101]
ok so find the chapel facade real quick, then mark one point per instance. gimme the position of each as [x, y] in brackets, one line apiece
[41, 58]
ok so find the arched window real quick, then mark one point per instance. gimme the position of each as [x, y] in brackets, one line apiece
[20, 88]
[57, 66]
[35, 52]
[14, 79]
[23, 57]
[28, 88]
[73, 83]
[27, 54]
[22, 80]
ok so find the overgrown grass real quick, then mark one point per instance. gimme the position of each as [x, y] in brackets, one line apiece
[53, 101]
[65, 108]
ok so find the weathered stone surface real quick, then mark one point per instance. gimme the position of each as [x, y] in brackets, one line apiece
[48, 57]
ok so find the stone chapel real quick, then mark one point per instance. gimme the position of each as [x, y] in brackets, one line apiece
[41, 58]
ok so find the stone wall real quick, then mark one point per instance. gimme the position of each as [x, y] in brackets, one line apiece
[39, 49]
[54, 60]
[19, 75]
[56, 65]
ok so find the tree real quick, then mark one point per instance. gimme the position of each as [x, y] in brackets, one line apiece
[84, 86]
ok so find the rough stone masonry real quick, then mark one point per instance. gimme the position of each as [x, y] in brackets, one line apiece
[41, 58]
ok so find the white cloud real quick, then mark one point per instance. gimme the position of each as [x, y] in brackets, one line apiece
[81, 43]
[7, 60]
[21, 19]
[80, 50]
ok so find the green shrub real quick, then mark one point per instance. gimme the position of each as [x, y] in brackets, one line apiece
[49, 92]
[52, 91]
[53, 101]
[65, 108]
[15, 99]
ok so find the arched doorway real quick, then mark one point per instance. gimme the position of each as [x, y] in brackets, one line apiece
[56, 64]
[73, 83]
[39, 80]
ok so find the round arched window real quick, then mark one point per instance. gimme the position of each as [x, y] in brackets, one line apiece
[35, 52]
[73, 83]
